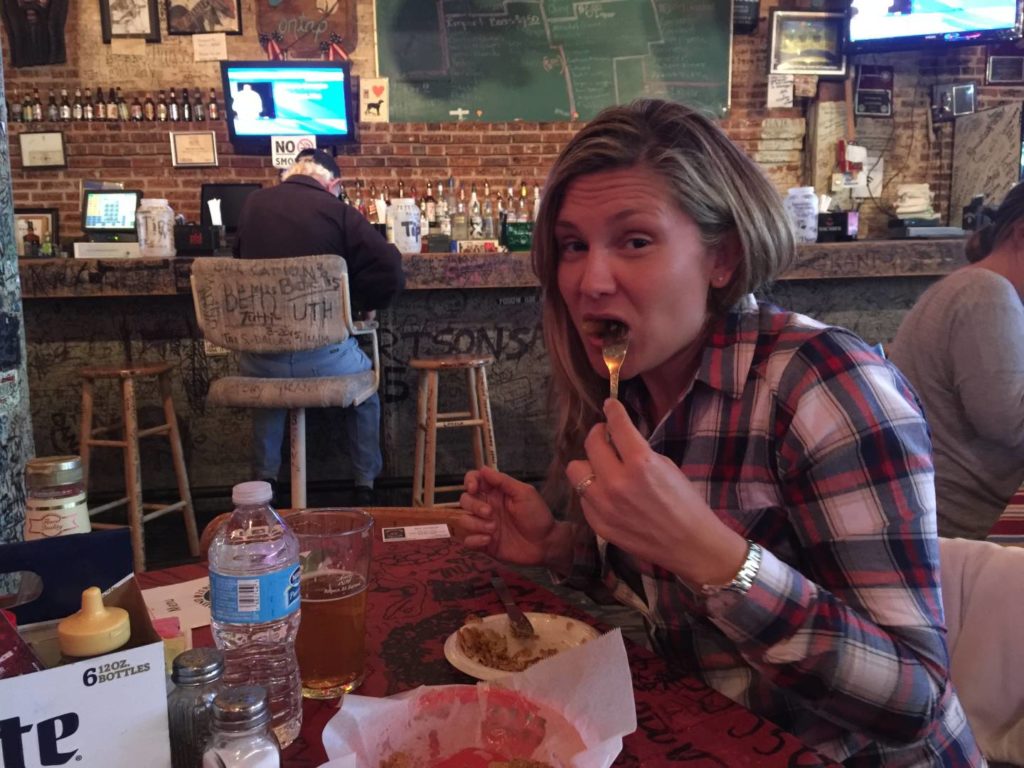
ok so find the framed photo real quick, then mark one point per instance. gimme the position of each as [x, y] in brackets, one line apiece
[36, 232]
[130, 18]
[42, 150]
[198, 17]
[193, 149]
[873, 92]
[806, 43]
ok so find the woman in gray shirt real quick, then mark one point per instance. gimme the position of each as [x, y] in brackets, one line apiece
[962, 347]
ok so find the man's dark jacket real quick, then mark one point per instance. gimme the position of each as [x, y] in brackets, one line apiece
[300, 218]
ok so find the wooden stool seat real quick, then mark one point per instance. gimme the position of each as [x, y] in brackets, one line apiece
[139, 513]
[124, 371]
[428, 421]
[450, 362]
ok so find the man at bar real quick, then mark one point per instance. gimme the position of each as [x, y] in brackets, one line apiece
[303, 216]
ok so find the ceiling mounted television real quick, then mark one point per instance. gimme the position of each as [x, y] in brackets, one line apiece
[895, 25]
[287, 98]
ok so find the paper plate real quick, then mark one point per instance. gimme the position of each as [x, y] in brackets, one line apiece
[553, 631]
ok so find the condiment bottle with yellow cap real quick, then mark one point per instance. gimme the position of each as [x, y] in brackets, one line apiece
[96, 629]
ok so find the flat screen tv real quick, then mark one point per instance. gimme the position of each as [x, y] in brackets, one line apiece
[288, 98]
[893, 25]
[108, 215]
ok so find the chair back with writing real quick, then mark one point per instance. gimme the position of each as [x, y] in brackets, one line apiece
[985, 623]
[272, 305]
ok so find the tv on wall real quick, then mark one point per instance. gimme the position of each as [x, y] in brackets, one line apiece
[893, 25]
[288, 98]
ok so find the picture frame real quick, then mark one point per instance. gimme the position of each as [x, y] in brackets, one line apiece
[33, 228]
[193, 149]
[138, 19]
[200, 17]
[42, 150]
[806, 43]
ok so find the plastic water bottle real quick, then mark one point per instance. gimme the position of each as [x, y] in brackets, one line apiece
[254, 596]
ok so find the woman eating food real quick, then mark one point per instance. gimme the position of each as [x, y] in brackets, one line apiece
[762, 488]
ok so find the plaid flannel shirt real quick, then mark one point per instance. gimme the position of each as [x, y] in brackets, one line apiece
[805, 441]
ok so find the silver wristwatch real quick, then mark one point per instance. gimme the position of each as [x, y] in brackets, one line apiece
[744, 579]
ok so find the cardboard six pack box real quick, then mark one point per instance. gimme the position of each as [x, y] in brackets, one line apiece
[108, 711]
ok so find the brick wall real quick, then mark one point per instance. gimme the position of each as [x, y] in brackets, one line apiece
[501, 153]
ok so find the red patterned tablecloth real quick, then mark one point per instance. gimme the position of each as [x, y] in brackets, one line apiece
[422, 591]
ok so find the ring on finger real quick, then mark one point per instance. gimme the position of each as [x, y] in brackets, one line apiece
[586, 482]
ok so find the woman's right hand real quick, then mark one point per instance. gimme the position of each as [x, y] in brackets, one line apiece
[506, 518]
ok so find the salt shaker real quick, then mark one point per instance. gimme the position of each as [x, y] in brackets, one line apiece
[241, 737]
[196, 677]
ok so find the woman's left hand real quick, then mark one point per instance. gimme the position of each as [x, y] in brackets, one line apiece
[641, 502]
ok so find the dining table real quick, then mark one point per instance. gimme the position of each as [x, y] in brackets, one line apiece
[422, 590]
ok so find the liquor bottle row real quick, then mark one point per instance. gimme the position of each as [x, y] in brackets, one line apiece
[113, 107]
[446, 210]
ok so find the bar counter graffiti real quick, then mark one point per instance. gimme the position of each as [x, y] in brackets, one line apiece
[454, 303]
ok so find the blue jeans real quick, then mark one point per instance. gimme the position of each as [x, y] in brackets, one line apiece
[362, 423]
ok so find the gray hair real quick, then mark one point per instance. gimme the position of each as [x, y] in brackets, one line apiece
[306, 166]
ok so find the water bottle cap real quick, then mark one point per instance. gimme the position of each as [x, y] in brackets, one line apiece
[252, 492]
[801, 190]
[198, 666]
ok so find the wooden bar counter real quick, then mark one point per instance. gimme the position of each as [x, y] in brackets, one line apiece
[80, 278]
[88, 312]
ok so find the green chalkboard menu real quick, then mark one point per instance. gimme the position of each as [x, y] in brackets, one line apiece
[544, 60]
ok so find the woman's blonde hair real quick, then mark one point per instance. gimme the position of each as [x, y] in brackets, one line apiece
[725, 193]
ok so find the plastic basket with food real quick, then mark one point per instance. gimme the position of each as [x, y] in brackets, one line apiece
[568, 711]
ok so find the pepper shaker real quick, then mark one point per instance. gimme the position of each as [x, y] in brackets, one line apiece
[196, 677]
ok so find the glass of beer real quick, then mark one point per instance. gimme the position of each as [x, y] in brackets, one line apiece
[334, 548]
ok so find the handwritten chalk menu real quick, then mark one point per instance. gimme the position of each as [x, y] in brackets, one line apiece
[276, 305]
[986, 157]
[546, 60]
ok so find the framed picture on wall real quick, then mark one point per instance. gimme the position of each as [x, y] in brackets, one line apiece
[197, 17]
[806, 43]
[36, 232]
[130, 18]
[41, 150]
[193, 149]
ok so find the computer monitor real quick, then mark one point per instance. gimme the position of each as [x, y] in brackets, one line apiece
[232, 198]
[108, 215]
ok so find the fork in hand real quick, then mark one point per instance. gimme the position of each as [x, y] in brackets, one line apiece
[616, 342]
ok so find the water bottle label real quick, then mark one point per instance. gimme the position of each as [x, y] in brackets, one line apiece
[254, 599]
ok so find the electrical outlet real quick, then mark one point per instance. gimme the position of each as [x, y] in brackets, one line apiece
[949, 101]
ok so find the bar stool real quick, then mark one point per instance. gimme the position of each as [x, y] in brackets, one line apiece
[129, 443]
[428, 421]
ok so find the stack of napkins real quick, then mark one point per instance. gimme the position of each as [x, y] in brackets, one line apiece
[914, 201]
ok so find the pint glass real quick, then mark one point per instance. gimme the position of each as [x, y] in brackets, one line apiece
[334, 549]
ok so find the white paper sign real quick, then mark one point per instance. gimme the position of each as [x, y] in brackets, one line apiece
[283, 149]
[780, 91]
[210, 47]
[375, 95]
[871, 183]
[188, 601]
[415, 532]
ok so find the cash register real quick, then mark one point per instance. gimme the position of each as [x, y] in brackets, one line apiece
[108, 222]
